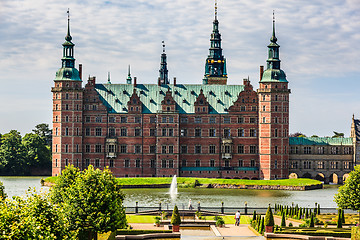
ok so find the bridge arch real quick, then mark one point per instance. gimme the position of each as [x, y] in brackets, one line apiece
[307, 175]
[345, 176]
[334, 178]
[293, 175]
[320, 177]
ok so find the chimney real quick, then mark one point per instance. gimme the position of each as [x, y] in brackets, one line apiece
[80, 70]
[174, 81]
[261, 72]
[159, 83]
[134, 81]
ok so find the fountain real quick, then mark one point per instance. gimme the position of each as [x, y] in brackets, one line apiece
[173, 188]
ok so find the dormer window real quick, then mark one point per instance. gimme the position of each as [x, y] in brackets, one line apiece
[134, 101]
[168, 102]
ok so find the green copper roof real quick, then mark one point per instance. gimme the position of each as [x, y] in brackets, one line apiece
[320, 141]
[220, 97]
[274, 75]
[69, 74]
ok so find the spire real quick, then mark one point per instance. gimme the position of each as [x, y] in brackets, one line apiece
[109, 82]
[163, 67]
[68, 36]
[273, 38]
[215, 66]
[129, 79]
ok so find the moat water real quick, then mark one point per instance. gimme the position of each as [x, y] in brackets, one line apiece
[17, 186]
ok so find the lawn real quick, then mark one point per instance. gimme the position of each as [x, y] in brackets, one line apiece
[190, 182]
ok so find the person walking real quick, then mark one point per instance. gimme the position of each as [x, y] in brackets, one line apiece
[237, 218]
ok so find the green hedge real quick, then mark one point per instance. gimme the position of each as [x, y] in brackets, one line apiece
[334, 232]
[355, 233]
[138, 231]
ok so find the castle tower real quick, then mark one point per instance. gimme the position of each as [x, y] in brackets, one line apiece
[163, 68]
[67, 111]
[215, 66]
[273, 96]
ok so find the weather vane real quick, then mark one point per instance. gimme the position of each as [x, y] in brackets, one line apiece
[68, 13]
[273, 15]
[215, 9]
[163, 44]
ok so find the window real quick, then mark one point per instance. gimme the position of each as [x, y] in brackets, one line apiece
[183, 132]
[320, 164]
[152, 132]
[163, 120]
[163, 149]
[242, 108]
[276, 120]
[212, 132]
[98, 131]
[275, 132]
[212, 163]
[171, 149]
[66, 106]
[294, 150]
[66, 131]
[87, 148]
[241, 132]
[98, 119]
[77, 163]
[241, 163]
[111, 163]
[111, 132]
[197, 132]
[111, 119]
[137, 132]
[164, 131]
[152, 163]
[252, 163]
[226, 119]
[264, 119]
[87, 162]
[226, 163]
[240, 148]
[320, 150]
[253, 149]
[137, 163]
[66, 118]
[98, 148]
[66, 148]
[275, 164]
[137, 119]
[240, 120]
[212, 120]
[152, 119]
[252, 120]
[171, 119]
[171, 163]
[123, 148]
[97, 162]
[347, 150]
[307, 164]
[183, 162]
[197, 148]
[275, 149]
[171, 132]
[111, 148]
[227, 149]
[123, 119]
[152, 149]
[334, 150]
[87, 119]
[197, 163]
[123, 132]
[334, 165]
[307, 150]
[127, 163]
[294, 165]
[163, 163]
[276, 108]
[212, 149]
[137, 148]
[253, 108]
[56, 131]
[227, 132]
[264, 108]
[197, 119]
[347, 165]
[183, 149]
[252, 132]
[77, 148]
[183, 119]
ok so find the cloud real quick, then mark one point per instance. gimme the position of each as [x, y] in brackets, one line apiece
[317, 40]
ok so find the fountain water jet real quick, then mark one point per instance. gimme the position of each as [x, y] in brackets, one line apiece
[173, 188]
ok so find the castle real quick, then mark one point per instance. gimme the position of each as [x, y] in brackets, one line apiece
[192, 130]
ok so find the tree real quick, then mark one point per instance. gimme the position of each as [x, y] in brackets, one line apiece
[38, 154]
[175, 218]
[348, 196]
[2, 192]
[13, 154]
[44, 132]
[254, 216]
[297, 134]
[312, 220]
[91, 202]
[339, 220]
[283, 220]
[269, 218]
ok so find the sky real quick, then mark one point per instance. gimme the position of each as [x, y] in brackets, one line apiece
[319, 51]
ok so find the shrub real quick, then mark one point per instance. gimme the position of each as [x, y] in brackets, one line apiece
[290, 224]
[254, 216]
[283, 220]
[312, 224]
[269, 218]
[175, 218]
[220, 222]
